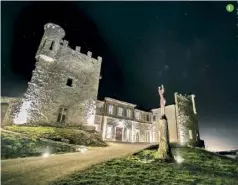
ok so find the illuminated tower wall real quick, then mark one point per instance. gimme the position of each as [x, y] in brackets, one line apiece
[64, 85]
[187, 122]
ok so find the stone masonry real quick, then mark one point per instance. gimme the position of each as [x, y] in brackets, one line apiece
[64, 84]
[63, 91]
[188, 130]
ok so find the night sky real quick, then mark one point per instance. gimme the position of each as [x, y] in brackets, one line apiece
[190, 47]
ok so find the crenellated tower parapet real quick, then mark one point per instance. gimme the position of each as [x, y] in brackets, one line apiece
[77, 53]
[52, 45]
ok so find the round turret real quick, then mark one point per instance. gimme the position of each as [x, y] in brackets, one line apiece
[54, 30]
[50, 42]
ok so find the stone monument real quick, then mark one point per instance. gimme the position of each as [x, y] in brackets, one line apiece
[164, 151]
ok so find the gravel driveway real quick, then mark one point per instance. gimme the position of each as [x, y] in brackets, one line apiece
[40, 170]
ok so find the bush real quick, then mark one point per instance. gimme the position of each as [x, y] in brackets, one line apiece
[13, 145]
[72, 136]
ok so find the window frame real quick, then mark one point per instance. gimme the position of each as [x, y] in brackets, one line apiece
[137, 115]
[69, 79]
[62, 113]
[110, 109]
[120, 111]
[128, 113]
[154, 117]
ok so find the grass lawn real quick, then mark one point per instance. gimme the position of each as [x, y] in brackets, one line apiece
[198, 167]
[15, 145]
[69, 135]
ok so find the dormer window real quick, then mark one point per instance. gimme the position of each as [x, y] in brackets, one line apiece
[128, 112]
[137, 115]
[69, 82]
[110, 109]
[120, 110]
[154, 117]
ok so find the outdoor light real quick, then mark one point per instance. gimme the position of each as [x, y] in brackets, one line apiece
[91, 113]
[82, 149]
[91, 119]
[22, 116]
[179, 159]
[46, 154]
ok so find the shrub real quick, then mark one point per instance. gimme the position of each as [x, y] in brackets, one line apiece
[13, 145]
[72, 136]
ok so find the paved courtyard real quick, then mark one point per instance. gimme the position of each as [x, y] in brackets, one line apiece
[41, 170]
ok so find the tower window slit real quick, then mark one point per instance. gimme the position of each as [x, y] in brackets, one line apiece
[69, 82]
[44, 43]
[52, 45]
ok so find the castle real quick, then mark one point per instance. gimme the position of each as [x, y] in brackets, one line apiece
[63, 92]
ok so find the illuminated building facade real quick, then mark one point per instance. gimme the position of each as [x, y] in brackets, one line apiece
[63, 91]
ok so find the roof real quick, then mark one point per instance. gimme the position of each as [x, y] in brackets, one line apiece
[120, 102]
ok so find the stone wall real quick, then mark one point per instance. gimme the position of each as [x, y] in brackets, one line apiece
[8, 109]
[187, 119]
[63, 78]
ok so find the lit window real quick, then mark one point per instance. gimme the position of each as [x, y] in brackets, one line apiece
[190, 134]
[110, 109]
[128, 113]
[137, 115]
[120, 111]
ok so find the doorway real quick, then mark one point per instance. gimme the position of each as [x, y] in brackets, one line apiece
[147, 135]
[137, 137]
[118, 134]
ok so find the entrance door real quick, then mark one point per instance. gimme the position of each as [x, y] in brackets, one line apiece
[147, 137]
[137, 137]
[118, 134]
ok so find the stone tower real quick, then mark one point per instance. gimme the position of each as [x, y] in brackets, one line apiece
[64, 85]
[187, 121]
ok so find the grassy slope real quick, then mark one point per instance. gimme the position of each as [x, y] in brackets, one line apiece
[73, 136]
[31, 143]
[15, 145]
[199, 167]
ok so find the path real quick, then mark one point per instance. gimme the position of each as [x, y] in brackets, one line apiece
[39, 170]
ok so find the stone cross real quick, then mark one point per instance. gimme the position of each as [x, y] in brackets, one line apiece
[162, 100]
